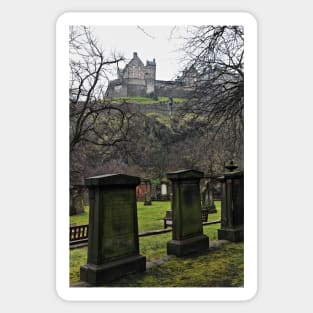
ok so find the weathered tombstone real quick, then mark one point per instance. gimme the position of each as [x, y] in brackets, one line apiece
[212, 207]
[164, 190]
[113, 245]
[217, 190]
[232, 215]
[158, 192]
[207, 196]
[187, 234]
[153, 192]
[76, 200]
[147, 199]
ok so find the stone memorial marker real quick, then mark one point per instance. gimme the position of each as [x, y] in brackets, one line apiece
[76, 200]
[153, 192]
[164, 190]
[232, 214]
[113, 245]
[147, 199]
[207, 197]
[187, 234]
[158, 192]
[212, 207]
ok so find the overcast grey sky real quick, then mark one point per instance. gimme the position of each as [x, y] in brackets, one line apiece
[150, 42]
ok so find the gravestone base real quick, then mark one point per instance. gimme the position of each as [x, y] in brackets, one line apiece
[231, 234]
[187, 246]
[148, 202]
[99, 274]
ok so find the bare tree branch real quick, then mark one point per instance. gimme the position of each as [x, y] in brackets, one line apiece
[146, 33]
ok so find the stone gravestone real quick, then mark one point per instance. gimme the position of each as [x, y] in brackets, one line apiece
[76, 200]
[147, 199]
[232, 214]
[164, 190]
[153, 192]
[187, 234]
[212, 207]
[207, 197]
[113, 245]
[158, 192]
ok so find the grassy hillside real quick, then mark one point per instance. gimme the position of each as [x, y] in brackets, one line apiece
[143, 100]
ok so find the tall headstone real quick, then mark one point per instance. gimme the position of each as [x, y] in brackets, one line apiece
[187, 234]
[147, 199]
[76, 199]
[207, 200]
[212, 207]
[158, 192]
[113, 245]
[153, 192]
[164, 190]
[232, 214]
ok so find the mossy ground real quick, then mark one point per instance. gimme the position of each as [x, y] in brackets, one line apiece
[221, 267]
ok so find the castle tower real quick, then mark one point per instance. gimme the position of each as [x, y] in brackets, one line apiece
[150, 73]
[134, 77]
[139, 79]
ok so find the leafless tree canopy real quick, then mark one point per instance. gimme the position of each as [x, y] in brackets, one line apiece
[96, 125]
[217, 53]
[110, 134]
[91, 119]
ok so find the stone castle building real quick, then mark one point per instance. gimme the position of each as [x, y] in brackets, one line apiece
[137, 79]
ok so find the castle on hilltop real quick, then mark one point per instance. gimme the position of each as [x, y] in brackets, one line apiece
[137, 79]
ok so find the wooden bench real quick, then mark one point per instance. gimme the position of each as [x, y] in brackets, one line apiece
[205, 213]
[78, 234]
[168, 219]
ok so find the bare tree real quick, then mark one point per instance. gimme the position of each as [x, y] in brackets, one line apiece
[96, 124]
[92, 119]
[217, 97]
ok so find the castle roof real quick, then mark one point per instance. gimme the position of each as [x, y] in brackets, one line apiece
[151, 63]
[135, 57]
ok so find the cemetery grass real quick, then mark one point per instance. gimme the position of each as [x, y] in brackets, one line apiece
[80, 219]
[222, 267]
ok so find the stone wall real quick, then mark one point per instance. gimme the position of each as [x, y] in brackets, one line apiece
[170, 89]
[118, 91]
